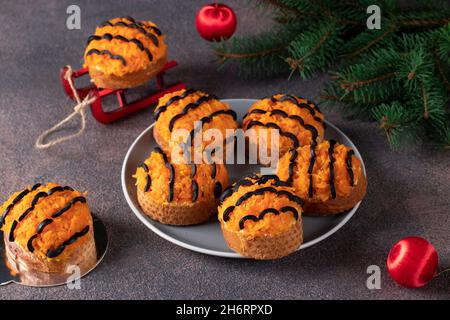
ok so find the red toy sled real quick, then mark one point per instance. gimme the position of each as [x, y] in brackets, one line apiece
[124, 108]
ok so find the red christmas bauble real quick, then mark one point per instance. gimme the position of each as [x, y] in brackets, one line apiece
[216, 22]
[412, 262]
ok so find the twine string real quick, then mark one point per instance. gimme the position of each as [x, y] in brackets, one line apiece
[79, 109]
[442, 272]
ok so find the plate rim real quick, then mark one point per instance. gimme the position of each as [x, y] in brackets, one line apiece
[182, 244]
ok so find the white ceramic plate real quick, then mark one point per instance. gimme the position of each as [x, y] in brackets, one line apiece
[207, 238]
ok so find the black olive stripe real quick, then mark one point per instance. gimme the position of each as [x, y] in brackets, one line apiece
[16, 200]
[261, 191]
[294, 100]
[46, 222]
[36, 198]
[309, 127]
[172, 100]
[228, 192]
[242, 183]
[171, 172]
[40, 228]
[145, 167]
[217, 189]
[193, 170]
[246, 218]
[205, 119]
[43, 224]
[278, 112]
[255, 111]
[208, 119]
[235, 186]
[213, 170]
[148, 182]
[30, 243]
[265, 212]
[68, 206]
[227, 212]
[291, 209]
[330, 154]
[131, 19]
[155, 29]
[11, 232]
[192, 105]
[108, 36]
[108, 53]
[137, 26]
[299, 119]
[292, 164]
[72, 239]
[37, 185]
[312, 111]
[304, 105]
[59, 189]
[265, 178]
[312, 161]
[55, 189]
[194, 187]
[256, 192]
[282, 184]
[312, 158]
[41, 195]
[351, 175]
[289, 135]
[148, 178]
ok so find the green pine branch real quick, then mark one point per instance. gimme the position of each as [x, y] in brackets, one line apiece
[397, 122]
[314, 50]
[398, 76]
[261, 55]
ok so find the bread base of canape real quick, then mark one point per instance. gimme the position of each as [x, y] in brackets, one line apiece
[180, 214]
[129, 80]
[265, 247]
[22, 261]
[338, 205]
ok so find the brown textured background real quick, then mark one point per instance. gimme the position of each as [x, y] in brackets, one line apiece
[408, 193]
